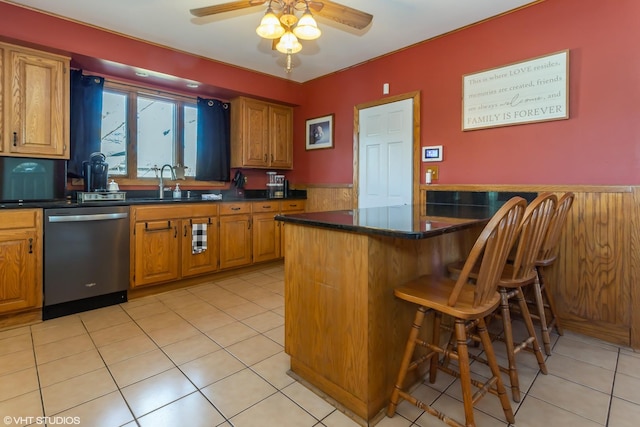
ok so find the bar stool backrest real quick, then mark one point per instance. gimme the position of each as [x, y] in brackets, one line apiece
[532, 233]
[492, 246]
[549, 250]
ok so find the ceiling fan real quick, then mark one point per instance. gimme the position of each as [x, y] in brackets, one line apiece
[281, 24]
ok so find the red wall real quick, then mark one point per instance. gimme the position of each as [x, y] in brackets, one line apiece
[599, 144]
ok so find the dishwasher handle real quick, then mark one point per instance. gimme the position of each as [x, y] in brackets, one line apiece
[89, 217]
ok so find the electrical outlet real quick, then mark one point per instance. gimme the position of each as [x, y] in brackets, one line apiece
[434, 172]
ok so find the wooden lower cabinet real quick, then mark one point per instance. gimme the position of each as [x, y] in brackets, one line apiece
[289, 207]
[162, 242]
[235, 234]
[268, 234]
[156, 252]
[238, 234]
[266, 231]
[195, 262]
[20, 260]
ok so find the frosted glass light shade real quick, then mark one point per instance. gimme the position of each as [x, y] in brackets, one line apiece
[307, 28]
[270, 27]
[289, 43]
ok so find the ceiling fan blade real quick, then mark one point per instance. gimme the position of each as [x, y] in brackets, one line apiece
[343, 14]
[225, 7]
[315, 5]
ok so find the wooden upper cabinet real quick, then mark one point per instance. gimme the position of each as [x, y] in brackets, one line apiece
[281, 137]
[261, 134]
[36, 100]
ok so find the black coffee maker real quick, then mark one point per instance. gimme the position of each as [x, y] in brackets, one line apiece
[96, 173]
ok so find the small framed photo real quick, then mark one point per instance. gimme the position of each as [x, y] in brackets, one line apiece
[320, 132]
[432, 153]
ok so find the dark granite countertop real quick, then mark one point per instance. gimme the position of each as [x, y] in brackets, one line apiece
[397, 221]
[142, 198]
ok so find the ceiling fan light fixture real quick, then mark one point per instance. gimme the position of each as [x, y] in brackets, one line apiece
[307, 28]
[288, 19]
[270, 27]
[289, 44]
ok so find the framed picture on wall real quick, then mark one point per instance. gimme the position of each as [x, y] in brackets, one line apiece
[320, 132]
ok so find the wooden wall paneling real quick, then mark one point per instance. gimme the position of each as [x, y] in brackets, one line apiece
[329, 197]
[633, 267]
[588, 279]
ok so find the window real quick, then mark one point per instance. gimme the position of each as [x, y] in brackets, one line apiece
[143, 130]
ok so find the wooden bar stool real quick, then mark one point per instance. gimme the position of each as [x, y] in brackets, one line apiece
[468, 304]
[547, 256]
[518, 273]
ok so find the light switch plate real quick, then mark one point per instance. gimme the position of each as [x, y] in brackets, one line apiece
[434, 172]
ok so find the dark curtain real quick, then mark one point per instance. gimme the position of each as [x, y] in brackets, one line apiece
[85, 119]
[214, 141]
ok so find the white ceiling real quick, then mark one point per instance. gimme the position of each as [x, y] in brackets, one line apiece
[230, 37]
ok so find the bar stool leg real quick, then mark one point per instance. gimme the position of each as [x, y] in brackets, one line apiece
[508, 340]
[530, 329]
[544, 328]
[495, 370]
[465, 371]
[433, 367]
[555, 321]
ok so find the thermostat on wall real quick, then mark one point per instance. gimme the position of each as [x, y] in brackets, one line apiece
[432, 153]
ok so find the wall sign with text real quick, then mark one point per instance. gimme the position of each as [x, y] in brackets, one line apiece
[535, 90]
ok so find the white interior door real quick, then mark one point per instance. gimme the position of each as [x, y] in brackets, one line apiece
[385, 155]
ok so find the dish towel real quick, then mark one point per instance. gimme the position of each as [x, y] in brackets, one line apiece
[198, 238]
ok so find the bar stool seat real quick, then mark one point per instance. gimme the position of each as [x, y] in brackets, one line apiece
[468, 304]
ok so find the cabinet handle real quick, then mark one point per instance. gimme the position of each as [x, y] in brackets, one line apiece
[15, 139]
[272, 158]
[185, 230]
[249, 224]
[266, 207]
[175, 232]
[146, 227]
[235, 209]
[30, 245]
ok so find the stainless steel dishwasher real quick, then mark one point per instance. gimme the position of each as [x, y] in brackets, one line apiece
[86, 259]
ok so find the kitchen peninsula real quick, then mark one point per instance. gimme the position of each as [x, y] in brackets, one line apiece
[344, 329]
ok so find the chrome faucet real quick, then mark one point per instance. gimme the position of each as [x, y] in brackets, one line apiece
[161, 184]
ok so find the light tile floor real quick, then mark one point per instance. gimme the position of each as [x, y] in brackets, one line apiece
[213, 355]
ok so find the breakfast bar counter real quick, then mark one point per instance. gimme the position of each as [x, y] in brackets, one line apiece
[344, 329]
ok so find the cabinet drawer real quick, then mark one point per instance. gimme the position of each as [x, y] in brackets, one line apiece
[20, 218]
[292, 205]
[235, 208]
[266, 206]
[174, 210]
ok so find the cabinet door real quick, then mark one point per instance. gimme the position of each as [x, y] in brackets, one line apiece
[266, 237]
[19, 283]
[235, 240]
[281, 137]
[194, 261]
[255, 126]
[156, 252]
[38, 106]
[289, 207]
